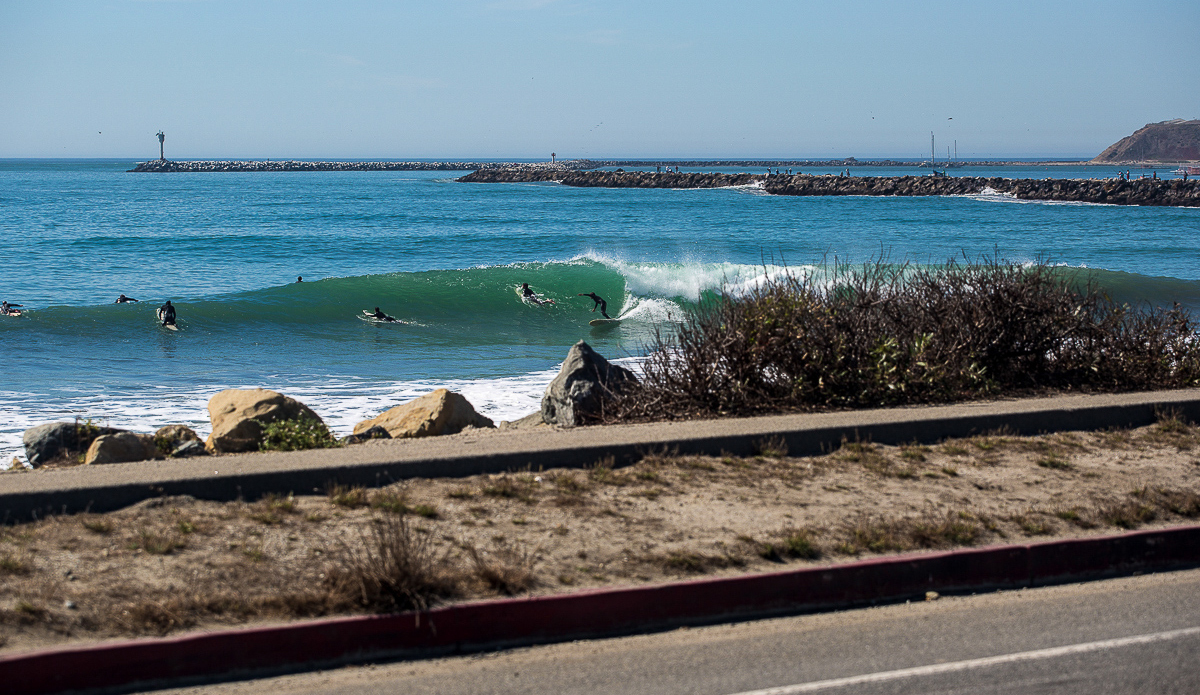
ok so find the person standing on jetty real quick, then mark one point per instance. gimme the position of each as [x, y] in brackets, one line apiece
[166, 313]
[599, 302]
[123, 299]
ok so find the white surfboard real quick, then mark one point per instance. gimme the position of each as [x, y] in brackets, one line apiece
[369, 317]
[604, 322]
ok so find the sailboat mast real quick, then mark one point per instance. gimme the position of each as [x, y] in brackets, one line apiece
[932, 151]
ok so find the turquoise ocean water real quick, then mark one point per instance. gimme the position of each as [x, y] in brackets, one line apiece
[445, 257]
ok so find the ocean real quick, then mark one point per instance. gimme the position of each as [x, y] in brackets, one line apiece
[446, 258]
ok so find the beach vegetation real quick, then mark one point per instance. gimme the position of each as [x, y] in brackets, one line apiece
[886, 334]
[296, 435]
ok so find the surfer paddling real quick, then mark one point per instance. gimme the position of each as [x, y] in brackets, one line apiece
[380, 316]
[123, 299]
[166, 314]
[599, 302]
[7, 309]
[531, 296]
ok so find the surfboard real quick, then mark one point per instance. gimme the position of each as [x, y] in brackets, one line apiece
[535, 299]
[604, 322]
[369, 317]
[168, 326]
[12, 312]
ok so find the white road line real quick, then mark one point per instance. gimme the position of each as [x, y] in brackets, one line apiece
[934, 669]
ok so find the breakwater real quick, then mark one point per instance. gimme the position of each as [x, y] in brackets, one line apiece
[163, 166]
[1160, 192]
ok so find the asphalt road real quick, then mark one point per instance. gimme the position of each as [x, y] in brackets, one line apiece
[1130, 635]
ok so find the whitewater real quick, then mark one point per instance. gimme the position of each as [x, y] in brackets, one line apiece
[445, 258]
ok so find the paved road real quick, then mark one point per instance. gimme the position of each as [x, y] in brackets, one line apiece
[1131, 635]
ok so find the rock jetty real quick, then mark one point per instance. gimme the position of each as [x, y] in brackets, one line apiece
[164, 166]
[1176, 192]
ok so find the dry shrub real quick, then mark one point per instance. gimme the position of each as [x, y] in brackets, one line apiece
[507, 568]
[392, 568]
[888, 334]
[879, 534]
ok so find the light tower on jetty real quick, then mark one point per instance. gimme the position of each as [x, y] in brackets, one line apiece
[161, 137]
[552, 156]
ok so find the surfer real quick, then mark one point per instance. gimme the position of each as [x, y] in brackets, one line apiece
[166, 314]
[299, 278]
[529, 295]
[599, 302]
[379, 315]
[122, 299]
[9, 309]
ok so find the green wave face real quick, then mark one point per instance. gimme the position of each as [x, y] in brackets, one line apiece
[484, 304]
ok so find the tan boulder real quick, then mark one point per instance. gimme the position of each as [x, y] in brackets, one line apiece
[121, 447]
[238, 415]
[431, 415]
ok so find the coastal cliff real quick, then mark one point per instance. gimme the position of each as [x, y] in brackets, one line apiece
[1111, 191]
[1168, 141]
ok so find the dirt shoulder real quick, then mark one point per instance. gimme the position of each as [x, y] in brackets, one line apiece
[174, 564]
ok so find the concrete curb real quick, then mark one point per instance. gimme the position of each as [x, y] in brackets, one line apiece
[25, 496]
[473, 627]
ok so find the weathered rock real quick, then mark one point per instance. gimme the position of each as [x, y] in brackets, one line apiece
[586, 380]
[121, 447]
[238, 416]
[58, 440]
[531, 420]
[176, 434]
[374, 432]
[431, 415]
[192, 447]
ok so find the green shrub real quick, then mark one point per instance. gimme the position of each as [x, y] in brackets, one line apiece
[296, 435]
[890, 334]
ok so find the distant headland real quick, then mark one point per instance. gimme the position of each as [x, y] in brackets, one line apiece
[1176, 141]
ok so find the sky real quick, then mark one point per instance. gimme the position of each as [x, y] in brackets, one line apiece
[507, 79]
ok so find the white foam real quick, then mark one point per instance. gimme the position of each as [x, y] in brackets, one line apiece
[341, 402]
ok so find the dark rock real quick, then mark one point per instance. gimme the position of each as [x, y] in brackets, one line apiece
[586, 380]
[60, 440]
[375, 432]
[190, 447]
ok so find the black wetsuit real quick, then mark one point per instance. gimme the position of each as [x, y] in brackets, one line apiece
[166, 312]
[122, 299]
[381, 316]
[599, 302]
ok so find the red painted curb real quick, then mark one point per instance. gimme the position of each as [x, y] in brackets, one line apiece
[504, 623]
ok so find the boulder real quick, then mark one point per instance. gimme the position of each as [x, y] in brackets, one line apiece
[431, 415]
[530, 420]
[238, 416]
[60, 440]
[374, 432]
[121, 447]
[170, 437]
[192, 447]
[576, 396]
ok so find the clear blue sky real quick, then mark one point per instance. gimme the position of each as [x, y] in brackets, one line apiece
[522, 78]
